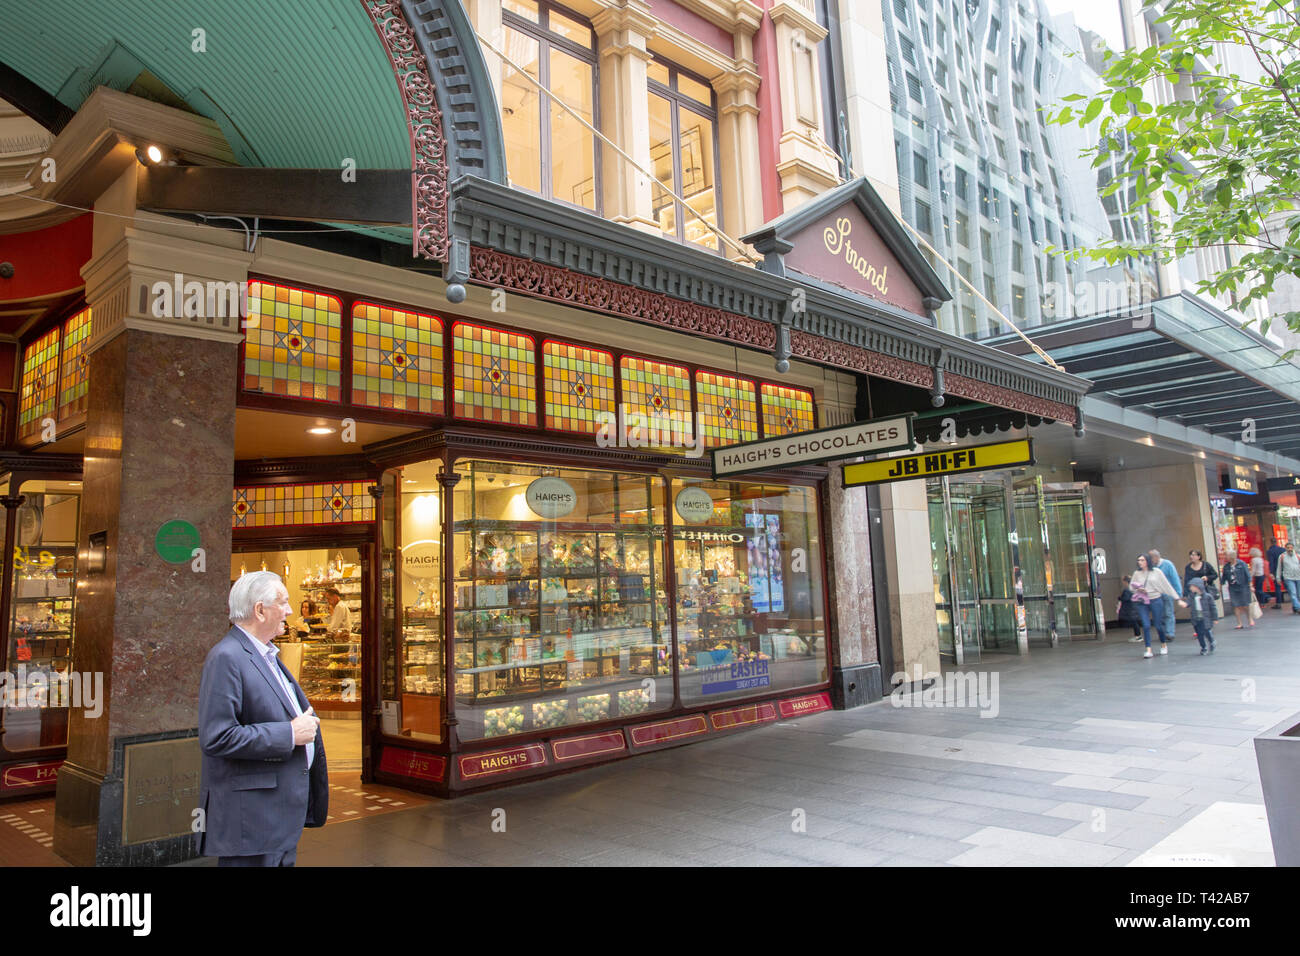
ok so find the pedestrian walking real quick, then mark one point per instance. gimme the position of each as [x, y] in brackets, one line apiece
[1258, 574]
[1166, 567]
[1125, 613]
[1236, 574]
[1288, 567]
[1274, 554]
[1201, 604]
[1151, 591]
[1198, 567]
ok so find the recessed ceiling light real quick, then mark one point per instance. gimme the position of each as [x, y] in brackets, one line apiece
[320, 430]
[410, 481]
[1074, 462]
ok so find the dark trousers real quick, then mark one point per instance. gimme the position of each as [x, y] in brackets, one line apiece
[1259, 590]
[1153, 613]
[283, 858]
[1203, 633]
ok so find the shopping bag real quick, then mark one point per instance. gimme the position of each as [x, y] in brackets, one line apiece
[1255, 612]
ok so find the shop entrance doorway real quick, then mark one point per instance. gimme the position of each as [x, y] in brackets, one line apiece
[324, 637]
[1011, 565]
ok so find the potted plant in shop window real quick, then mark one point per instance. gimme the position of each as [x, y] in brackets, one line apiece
[1277, 750]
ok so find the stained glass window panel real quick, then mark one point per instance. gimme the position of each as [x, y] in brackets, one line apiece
[39, 387]
[339, 502]
[786, 410]
[294, 343]
[495, 375]
[396, 359]
[73, 371]
[728, 409]
[655, 389]
[579, 386]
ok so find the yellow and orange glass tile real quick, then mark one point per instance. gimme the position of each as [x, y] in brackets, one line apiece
[262, 506]
[579, 386]
[396, 359]
[728, 410]
[656, 389]
[495, 375]
[294, 343]
[39, 387]
[786, 410]
[73, 366]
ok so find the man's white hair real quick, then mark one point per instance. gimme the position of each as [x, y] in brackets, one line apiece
[248, 590]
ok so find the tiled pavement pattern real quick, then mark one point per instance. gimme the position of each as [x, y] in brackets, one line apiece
[1096, 756]
[27, 833]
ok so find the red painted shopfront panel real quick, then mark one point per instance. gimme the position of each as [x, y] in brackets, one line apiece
[809, 704]
[412, 763]
[666, 730]
[475, 766]
[742, 716]
[592, 745]
[24, 775]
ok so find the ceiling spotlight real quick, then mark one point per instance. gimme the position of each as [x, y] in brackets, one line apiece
[154, 155]
[320, 430]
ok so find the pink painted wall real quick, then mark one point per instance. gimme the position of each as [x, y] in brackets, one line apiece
[694, 25]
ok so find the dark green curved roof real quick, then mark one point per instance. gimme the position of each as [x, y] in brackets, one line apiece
[291, 84]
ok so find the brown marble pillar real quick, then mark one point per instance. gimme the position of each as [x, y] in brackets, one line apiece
[159, 446]
[855, 658]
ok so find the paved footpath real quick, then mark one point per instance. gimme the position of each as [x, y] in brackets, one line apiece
[1095, 758]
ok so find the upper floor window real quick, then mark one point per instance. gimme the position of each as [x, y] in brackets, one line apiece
[548, 151]
[683, 149]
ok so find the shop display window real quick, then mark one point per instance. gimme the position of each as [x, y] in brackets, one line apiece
[560, 612]
[42, 614]
[750, 617]
[396, 359]
[728, 411]
[786, 410]
[38, 390]
[579, 386]
[495, 375]
[72, 365]
[293, 343]
[331, 502]
[422, 657]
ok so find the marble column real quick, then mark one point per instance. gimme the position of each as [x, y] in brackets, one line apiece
[159, 446]
[914, 626]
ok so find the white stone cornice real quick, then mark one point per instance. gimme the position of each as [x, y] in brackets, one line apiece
[799, 14]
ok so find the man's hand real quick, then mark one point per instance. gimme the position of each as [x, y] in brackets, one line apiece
[304, 727]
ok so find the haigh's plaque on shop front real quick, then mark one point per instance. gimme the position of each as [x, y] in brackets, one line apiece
[872, 437]
[551, 497]
[948, 461]
[160, 789]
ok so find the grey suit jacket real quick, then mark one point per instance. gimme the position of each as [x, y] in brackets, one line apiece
[257, 792]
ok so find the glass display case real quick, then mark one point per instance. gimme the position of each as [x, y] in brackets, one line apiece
[331, 674]
[42, 613]
[421, 655]
[551, 608]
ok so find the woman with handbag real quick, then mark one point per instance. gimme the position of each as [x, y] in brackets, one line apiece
[1150, 590]
[1236, 574]
[1258, 575]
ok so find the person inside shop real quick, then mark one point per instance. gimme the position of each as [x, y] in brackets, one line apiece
[340, 622]
[1273, 555]
[308, 616]
[254, 715]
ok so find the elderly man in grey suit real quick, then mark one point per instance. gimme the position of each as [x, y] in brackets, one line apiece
[264, 775]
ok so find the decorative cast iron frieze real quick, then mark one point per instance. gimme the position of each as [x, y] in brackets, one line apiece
[424, 119]
[1008, 398]
[591, 292]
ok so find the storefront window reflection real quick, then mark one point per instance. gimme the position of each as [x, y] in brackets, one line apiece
[42, 613]
[748, 589]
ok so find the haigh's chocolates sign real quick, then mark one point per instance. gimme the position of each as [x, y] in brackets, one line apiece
[843, 248]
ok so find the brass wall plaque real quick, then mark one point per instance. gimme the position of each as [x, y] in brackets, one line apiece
[160, 789]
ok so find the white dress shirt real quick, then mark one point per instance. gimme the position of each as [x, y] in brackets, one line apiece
[340, 619]
[267, 652]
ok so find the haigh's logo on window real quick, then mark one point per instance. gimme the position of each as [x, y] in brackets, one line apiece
[837, 243]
